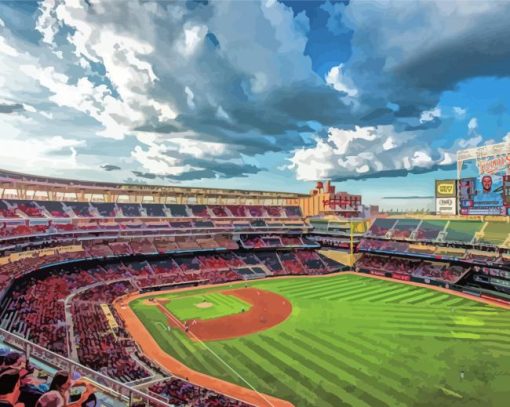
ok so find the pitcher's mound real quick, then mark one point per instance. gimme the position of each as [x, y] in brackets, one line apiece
[204, 304]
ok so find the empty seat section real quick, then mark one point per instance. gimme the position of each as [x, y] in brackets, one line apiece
[80, 209]
[381, 226]
[219, 211]
[199, 211]
[496, 233]
[154, 210]
[29, 208]
[462, 231]
[178, 211]
[54, 208]
[130, 210]
[238, 211]
[106, 210]
[430, 229]
[293, 211]
[404, 228]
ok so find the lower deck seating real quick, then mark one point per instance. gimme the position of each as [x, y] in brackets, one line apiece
[179, 392]
[34, 307]
[418, 268]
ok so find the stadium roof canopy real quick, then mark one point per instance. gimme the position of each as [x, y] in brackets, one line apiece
[28, 186]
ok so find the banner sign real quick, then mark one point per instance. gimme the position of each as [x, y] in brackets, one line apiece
[494, 165]
[446, 206]
[403, 277]
[109, 317]
[378, 273]
[43, 252]
[446, 197]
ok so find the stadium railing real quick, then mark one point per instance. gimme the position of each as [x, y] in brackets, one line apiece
[104, 384]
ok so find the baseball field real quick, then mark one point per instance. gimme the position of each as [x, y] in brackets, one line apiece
[347, 340]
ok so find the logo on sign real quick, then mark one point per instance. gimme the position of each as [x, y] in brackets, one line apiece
[493, 166]
[445, 189]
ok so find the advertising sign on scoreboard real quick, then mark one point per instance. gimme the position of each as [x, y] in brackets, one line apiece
[446, 197]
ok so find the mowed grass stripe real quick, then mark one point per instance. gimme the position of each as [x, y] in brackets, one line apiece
[326, 293]
[280, 359]
[366, 292]
[370, 348]
[343, 292]
[453, 302]
[397, 299]
[390, 291]
[408, 311]
[300, 283]
[230, 301]
[444, 299]
[401, 289]
[416, 333]
[329, 292]
[374, 344]
[337, 380]
[219, 298]
[422, 308]
[421, 297]
[254, 362]
[317, 285]
[326, 352]
[308, 285]
[475, 329]
[360, 296]
[400, 349]
[209, 364]
[227, 300]
[331, 287]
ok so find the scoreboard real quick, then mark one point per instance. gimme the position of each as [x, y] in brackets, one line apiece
[485, 195]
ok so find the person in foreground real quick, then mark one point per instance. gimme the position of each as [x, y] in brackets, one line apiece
[59, 393]
[9, 388]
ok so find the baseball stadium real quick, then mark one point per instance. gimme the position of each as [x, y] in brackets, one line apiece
[161, 295]
[254, 203]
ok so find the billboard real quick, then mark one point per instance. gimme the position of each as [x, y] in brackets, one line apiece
[483, 195]
[446, 197]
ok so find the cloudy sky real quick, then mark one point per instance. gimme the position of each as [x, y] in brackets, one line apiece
[375, 95]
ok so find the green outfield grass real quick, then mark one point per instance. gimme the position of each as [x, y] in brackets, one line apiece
[187, 307]
[357, 341]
